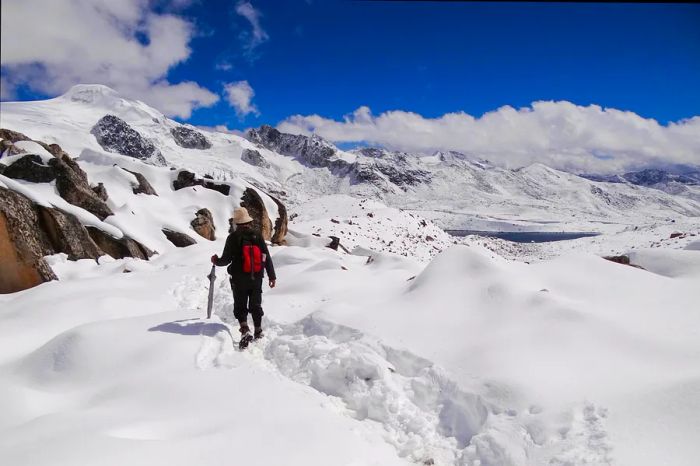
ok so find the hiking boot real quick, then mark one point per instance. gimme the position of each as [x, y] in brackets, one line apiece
[258, 333]
[246, 338]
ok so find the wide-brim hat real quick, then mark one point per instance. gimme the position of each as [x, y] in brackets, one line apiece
[241, 216]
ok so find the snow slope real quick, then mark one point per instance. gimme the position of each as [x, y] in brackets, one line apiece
[471, 360]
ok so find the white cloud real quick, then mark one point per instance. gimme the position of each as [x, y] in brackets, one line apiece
[257, 35]
[240, 96]
[559, 134]
[51, 46]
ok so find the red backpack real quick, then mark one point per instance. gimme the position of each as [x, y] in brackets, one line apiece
[252, 258]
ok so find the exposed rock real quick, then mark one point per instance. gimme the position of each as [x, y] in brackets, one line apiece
[100, 191]
[313, 150]
[335, 242]
[203, 224]
[279, 233]
[189, 138]
[30, 168]
[12, 136]
[254, 158]
[67, 234]
[622, 259]
[676, 234]
[180, 240]
[74, 188]
[119, 248]
[115, 135]
[186, 179]
[23, 244]
[2, 168]
[252, 201]
[143, 186]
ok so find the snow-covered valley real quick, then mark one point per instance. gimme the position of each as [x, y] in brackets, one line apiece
[404, 346]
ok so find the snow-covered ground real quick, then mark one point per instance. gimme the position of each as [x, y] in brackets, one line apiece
[473, 359]
[405, 346]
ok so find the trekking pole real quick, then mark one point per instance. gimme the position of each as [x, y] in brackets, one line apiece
[210, 301]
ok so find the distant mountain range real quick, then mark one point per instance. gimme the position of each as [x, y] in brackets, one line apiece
[456, 190]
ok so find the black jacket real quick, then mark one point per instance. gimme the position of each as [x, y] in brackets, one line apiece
[232, 255]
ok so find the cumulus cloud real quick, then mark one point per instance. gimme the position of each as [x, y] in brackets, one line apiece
[560, 134]
[257, 34]
[50, 46]
[240, 96]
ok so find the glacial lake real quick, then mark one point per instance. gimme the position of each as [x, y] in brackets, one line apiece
[525, 236]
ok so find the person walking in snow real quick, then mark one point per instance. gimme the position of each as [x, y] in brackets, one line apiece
[249, 258]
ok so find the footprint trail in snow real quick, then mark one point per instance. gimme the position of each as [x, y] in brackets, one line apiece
[411, 402]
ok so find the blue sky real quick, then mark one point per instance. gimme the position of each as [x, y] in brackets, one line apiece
[432, 58]
[329, 57]
[243, 63]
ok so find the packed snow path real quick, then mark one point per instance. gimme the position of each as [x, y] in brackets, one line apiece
[407, 400]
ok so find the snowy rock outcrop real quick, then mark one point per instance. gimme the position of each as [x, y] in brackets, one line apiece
[203, 224]
[115, 135]
[180, 240]
[252, 201]
[313, 150]
[190, 138]
[187, 179]
[254, 158]
[22, 244]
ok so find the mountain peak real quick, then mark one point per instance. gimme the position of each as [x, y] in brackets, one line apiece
[91, 93]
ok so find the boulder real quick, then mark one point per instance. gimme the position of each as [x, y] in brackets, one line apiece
[203, 224]
[72, 185]
[252, 201]
[30, 168]
[23, 244]
[280, 230]
[119, 248]
[67, 234]
[254, 158]
[143, 186]
[115, 135]
[180, 240]
[190, 138]
[186, 179]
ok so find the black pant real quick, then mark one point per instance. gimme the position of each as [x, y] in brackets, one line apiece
[247, 297]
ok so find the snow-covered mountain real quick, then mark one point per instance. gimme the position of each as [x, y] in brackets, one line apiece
[405, 346]
[455, 190]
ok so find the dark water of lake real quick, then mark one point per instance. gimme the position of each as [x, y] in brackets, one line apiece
[525, 236]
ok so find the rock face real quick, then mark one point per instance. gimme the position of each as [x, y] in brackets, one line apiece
[23, 244]
[115, 135]
[186, 179]
[180, 240]
[313, 150]
[190, 138]
[143, 186]
[252, 201]
[203, 224]
[376, 166]
[254, 158]
[12, 136]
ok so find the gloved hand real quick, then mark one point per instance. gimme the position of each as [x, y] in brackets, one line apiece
[214, 258]
[272, 283]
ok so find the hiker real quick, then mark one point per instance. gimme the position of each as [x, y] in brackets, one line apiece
[248, 256]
